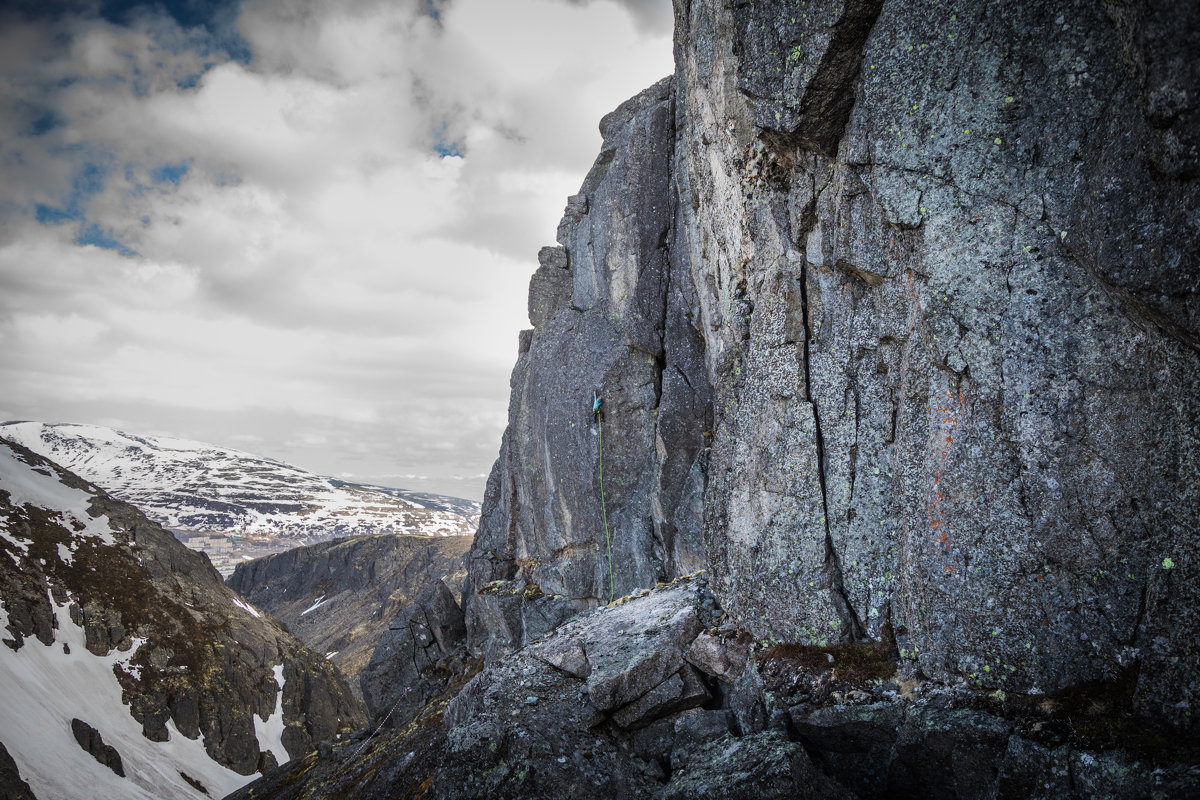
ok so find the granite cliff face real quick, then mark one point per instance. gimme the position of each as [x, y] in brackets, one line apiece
[129, 669]
[948, 285]
[610, 305]
[907, 293]
[893, 308]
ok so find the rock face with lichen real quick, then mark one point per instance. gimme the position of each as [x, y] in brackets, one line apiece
[612, 309]
[907, 293]
[117, 637]
[416, 658]
[945, 260]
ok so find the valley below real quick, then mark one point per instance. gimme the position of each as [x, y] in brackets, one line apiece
[227, 550]
[342, 597]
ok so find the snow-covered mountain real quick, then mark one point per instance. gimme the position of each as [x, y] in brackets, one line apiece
[129, 669]
[193, 486]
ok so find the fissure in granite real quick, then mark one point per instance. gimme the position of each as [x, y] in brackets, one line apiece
[970, 373]
[853, 626]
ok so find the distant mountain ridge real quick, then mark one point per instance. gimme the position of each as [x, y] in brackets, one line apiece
[194, 486]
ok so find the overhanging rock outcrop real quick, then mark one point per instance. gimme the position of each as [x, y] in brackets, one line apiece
[908, 294]
[416, 658]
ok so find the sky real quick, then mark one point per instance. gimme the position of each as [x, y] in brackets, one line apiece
[299, 228]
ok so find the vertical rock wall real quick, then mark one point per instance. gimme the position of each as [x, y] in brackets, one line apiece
[907, 294]
[612, 317]
[945, 255]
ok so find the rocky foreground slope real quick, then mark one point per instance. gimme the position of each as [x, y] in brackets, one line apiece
[129, 669]
[893, 310]
[341, 597]
[662, 697]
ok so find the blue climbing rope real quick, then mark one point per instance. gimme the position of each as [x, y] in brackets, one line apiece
[596, 402]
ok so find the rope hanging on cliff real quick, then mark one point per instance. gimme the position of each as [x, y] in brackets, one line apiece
[395, 705]
[596, 403]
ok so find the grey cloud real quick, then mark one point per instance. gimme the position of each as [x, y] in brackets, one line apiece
[653, 16]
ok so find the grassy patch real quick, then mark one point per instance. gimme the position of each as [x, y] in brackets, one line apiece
[856, 663]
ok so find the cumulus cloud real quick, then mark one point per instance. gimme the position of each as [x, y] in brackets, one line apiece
[306, 225]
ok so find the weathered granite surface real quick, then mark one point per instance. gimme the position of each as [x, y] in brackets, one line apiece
[611, 316]
[422, 651]
[622, 702]
[946, 265]
[540, 722]
[908, 293]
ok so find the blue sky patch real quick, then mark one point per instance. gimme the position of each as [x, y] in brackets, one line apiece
[44, 123]
[209, 14]
[88, 181]
[446, 147]
[217, 18]
[169, 173]
[93, 234]
[49, 215]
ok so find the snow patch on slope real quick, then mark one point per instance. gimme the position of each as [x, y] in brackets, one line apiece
[270, 731]
[240, 603]
[44, 687]
[320, 602]
[40, 487]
